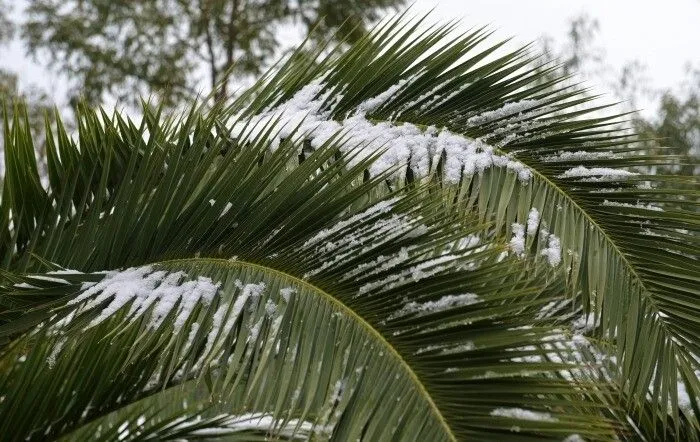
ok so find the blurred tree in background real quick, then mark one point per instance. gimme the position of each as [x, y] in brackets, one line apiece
[164, 47]
[672, 125]
[37, 103]
[6, 25]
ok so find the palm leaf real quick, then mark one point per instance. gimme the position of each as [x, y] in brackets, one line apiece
[267, 342]
[630, 240]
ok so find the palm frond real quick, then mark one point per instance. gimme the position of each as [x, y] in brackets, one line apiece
[629, 240]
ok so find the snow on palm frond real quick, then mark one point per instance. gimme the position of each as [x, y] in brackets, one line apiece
[599, 215]
[403, 145]
[596, 173]
[145, 288]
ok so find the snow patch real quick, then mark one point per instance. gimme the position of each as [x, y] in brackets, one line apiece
[533, 221]
[227, 424]
[442, 304]
[579, 155]
[508, 109]
[308, 115]
[145, 287]
[553, 251]
[596, 173]
[517, 242]
[638, 205]
[519, 413]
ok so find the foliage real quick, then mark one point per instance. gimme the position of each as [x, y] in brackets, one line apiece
[161, 47]
[671, 126]
[33, 98]
[6, 26]
[676, 127]
[261, 269]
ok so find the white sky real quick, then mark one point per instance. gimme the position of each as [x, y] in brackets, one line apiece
[664, 36]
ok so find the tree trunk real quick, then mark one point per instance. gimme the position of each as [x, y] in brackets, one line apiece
[231, 37]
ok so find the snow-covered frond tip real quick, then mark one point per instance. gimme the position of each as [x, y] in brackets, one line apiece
[403, 145]
[638, 205]
[553, 250]
[442, 304]
[533, 221]
[519, 413]
[596, 173]
[580, 155]
[517, 242]
[144, 288]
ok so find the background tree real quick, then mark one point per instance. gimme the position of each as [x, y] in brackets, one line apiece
[675, 126]
[672, 125]
[143, 47]
[32, 98]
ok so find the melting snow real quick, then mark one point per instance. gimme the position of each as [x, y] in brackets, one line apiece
[519, 413]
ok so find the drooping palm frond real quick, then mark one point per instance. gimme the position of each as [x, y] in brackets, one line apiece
[337, 179]
[506, 141]
[270, 345]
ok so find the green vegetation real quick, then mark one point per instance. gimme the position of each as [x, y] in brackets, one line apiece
[415, 236]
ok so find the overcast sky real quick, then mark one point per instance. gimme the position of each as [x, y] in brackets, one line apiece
[664, 35]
